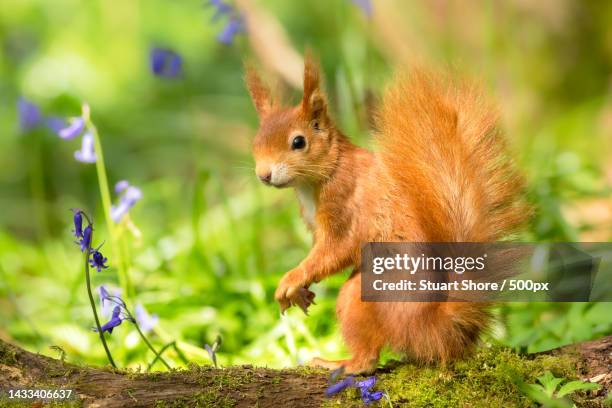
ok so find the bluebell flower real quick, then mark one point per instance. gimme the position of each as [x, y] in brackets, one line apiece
[175, 65]
[231, 29]
[74, 128]
[157, 59]
[98, 260]
[234, 24]
[103, 295]
[340, 386]
[368, 396]
[107, 300]
[55, 124]
[146, 321]
[165, 63]
[131, 195]
[87, 154]
[211, 353]
[221, 8]
[78, 223]
[337, 373]
[365, 6]
[29, 115]
[113, 322]
[85, 241]
[121, 185]
[366, 384]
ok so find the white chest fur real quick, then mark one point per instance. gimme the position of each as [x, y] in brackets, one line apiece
[306, 195]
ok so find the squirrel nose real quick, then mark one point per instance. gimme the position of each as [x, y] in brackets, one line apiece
[266, 177]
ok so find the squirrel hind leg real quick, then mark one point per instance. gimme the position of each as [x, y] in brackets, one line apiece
[360, 328]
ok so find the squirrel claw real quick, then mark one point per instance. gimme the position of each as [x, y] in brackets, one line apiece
[301, 297]
[305, 299]
[304, 308]
[284, 305]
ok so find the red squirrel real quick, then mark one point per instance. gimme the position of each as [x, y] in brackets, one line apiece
[439, 173]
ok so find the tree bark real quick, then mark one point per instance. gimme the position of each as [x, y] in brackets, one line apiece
[243, 386]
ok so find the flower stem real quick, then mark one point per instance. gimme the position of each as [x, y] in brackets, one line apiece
[124, 280]
[93, 309]
[144, 338]
[179, 353]
[190, 349]
[161, 351]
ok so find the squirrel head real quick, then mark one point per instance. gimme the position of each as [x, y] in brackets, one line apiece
[293, 145]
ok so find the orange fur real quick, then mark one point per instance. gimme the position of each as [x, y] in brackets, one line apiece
[439, 174]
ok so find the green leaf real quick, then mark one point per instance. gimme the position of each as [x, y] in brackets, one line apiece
[573, 386]
[536, 393]
[550, 383]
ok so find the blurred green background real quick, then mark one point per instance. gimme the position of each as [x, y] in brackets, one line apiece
[214, 241]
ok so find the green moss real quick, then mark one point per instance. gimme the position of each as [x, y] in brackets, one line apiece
[7, 355]
[230, 378]
[48, 404]
[207, 398]
[485, 380]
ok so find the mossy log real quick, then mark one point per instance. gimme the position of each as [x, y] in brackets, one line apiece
[486, 379]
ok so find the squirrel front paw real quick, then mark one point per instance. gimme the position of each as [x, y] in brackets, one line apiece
[293, 290]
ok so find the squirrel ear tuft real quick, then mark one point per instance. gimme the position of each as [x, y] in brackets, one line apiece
[260, 93]
[313, 102]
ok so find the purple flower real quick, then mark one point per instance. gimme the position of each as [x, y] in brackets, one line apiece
[131, 195]
[87, 154]
[366, 384]
[107, 300]
[121, 185]
[29, 115]
[337, 373]
[165, 63]
[157, 58]
[113, 322]
[175, 65]
[86, 239]
[55, 124]
[74, 129]
[368, 396]
[103, 295]
[146, 321]
[98, 260]
[221, 8]
[365, 6]
[234, 24]
[340, 386]
[211, 353]
[231, 29]
[78, 223]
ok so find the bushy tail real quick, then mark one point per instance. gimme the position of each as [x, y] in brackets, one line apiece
[442, 148]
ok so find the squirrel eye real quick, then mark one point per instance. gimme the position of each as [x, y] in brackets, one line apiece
[298, 142]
